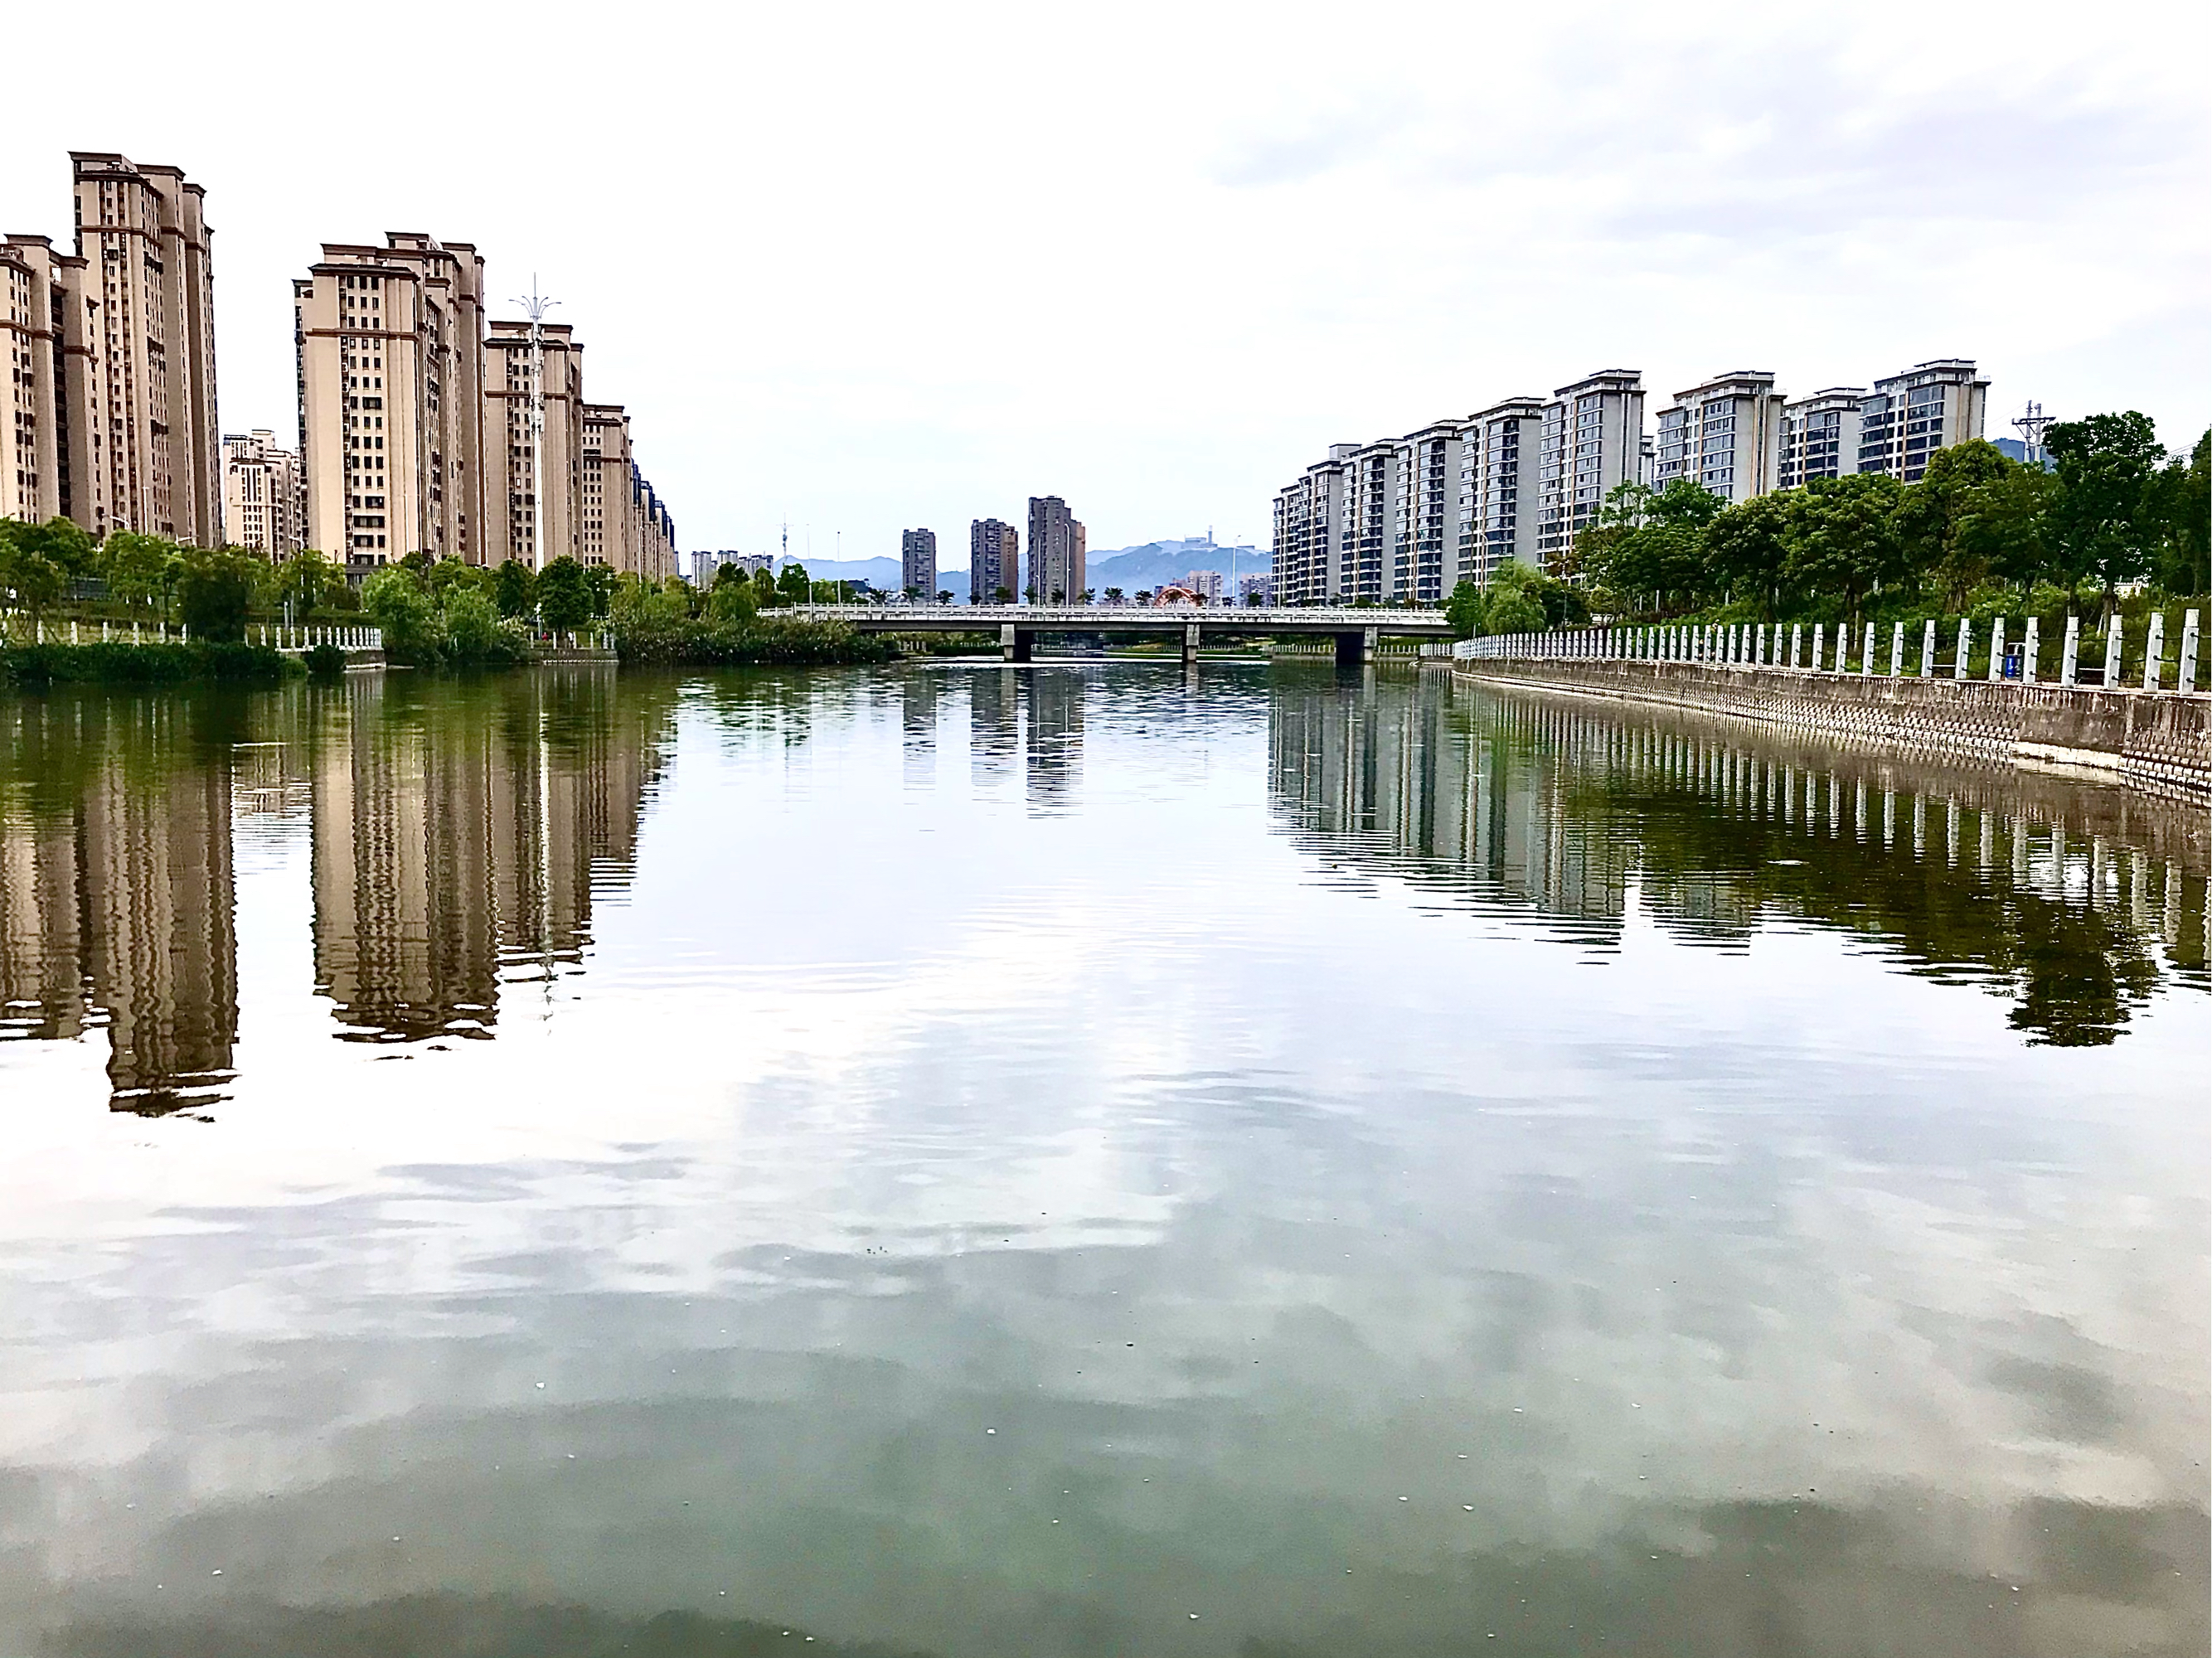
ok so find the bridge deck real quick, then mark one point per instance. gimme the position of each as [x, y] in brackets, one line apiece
[1125, 618]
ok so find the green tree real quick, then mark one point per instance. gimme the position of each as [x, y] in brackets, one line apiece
[565, 599]
[1463, 609]
[1843, 540]
[2186, 493]
[1747, 547]
[2105, 520]
[216, 590]
[394, 600]
[1650, 541]
[1931, 513]
[2005, 527]
[765, 594]
[305, 579]
[515, 588]
[472, 627]
[29, 573]
[133, 565]
[792, 585]
[1559, 604]
[601, 580]
[1006, 595]
[1512, 610]
[736, 600]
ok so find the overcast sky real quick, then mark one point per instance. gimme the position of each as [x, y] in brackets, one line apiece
[867, 267]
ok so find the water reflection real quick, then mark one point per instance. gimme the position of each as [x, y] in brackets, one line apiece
[1383, 1170]
[2067, 900]
[457, 839]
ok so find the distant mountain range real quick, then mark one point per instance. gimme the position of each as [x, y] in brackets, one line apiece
[1132, 569]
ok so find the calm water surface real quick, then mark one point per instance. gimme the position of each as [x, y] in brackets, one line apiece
[1078, 1160]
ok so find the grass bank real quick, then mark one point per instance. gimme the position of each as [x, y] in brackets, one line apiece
[115, 663]
[764, 642]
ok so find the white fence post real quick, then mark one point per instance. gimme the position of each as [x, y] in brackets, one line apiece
[2186, 669]
[1796, 644]
[1965, 649]
[2154, 653]
[1996, 648]
[1897, 651]
[1819, 636]
[2114, 637]
[2028, 650]
[1927, 650]
[1866, 656]
[2068, 664]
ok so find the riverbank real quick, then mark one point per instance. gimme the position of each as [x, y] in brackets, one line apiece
[114, 662]
[2158, 740]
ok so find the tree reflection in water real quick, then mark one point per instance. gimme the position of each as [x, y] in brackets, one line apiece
[2071, 900]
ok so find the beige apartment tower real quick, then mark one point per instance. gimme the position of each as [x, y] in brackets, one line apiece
[262, 496]
[111, 360]
[391, 371]
[521, 524]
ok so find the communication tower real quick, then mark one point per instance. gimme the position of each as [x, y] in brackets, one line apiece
[2030, 424]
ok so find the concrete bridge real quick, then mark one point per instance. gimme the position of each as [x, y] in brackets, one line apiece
[1356, 632]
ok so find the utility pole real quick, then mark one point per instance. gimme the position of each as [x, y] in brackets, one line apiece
[2030, 424]
[535, 308]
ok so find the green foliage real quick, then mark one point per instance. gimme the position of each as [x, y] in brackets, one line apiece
[215, 590]
[1650, 541]
[325, 661]
[514, 588]
[395, 602]
[1463, 609]
[565, 599]
[1931, 516]
[1560, 605]
[1514, 612]
[118, 664]
[766, 640]
[792, 585]
[732, 602]
[1843, 540]
[1748, 548]
[473, 631]
[138, 569]
[2181, 562]
[2104, 518]
[305, 579]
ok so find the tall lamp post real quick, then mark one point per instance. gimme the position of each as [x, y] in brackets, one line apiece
[535, 308]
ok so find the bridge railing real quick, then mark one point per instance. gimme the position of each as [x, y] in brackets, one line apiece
[984, 617]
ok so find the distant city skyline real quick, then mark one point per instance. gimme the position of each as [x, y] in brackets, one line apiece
[1685, 193]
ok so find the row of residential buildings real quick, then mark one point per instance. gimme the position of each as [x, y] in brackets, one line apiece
[1409, 518]
[424, 426]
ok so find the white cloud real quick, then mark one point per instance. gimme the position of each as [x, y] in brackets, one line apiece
[877, 266]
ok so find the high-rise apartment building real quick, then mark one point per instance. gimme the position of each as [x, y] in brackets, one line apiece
[1592, 441]
[262, 495]
[1909, 416]
[1309, 532]
[1425, 513]
[1057, 553]
[1820, 436]
[1725, 434]
[654, 534]
[111, 360]
[918, 563]
[389, 346]
[995, 561]
[536, 528]
[1492, 527]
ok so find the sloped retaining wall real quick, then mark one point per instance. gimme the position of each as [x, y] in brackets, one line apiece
[2158, 740]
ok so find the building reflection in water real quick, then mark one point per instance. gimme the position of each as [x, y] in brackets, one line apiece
[116, 888]
[458, 839]
[457, 842]
[1056, 697]
[2069, 901]
[994, 724]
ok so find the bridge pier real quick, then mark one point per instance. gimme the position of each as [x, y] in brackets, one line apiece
[1017, 644]
[1190, 644]
[1354, 649]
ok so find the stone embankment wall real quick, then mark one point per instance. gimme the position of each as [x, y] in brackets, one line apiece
[2158, 740]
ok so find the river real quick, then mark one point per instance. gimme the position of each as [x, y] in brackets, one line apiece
[1083, 1159]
